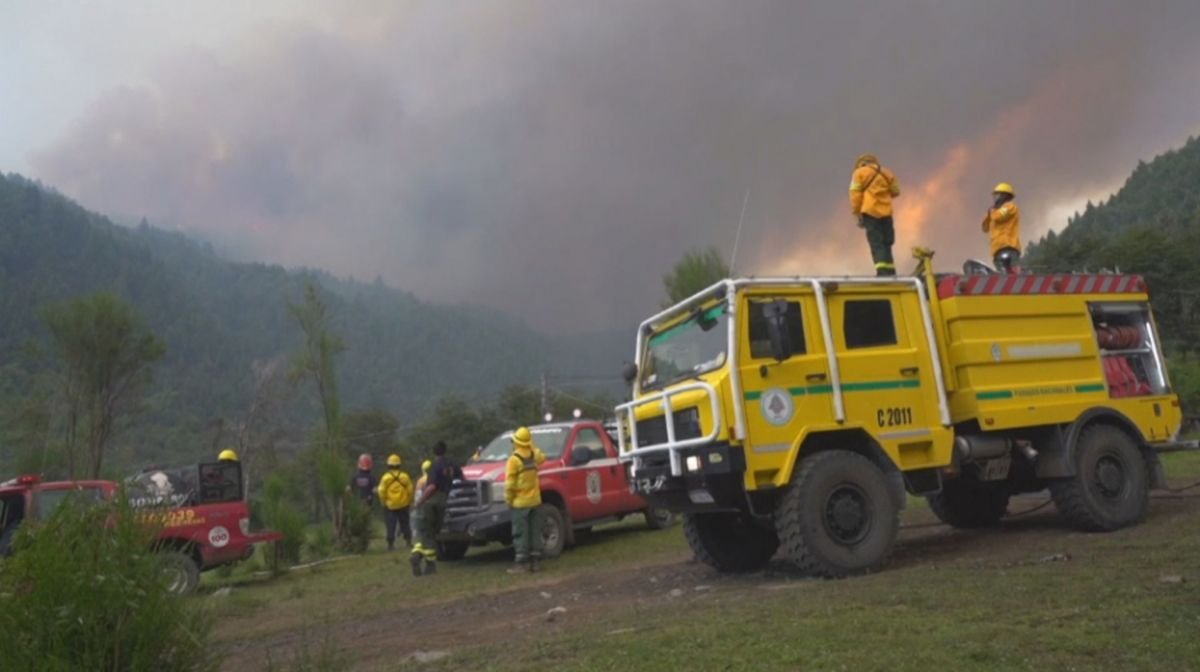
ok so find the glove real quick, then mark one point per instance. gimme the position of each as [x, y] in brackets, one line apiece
[859, 221]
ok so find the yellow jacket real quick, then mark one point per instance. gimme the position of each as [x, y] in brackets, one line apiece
[1003, 226]
[521, 487]
[396, 490]
[872, 189]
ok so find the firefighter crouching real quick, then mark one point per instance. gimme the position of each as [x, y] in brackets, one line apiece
[523, 493]
[1002, 223]
[431, 511]
[396, 494]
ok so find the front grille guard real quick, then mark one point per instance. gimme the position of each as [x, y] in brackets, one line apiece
[627, 423]
[468, 497]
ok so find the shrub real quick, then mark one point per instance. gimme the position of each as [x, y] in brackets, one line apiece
[355, 524]
[282, 518]
[84, 591]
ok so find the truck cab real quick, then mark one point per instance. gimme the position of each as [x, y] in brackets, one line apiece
[583, 484]
[797, 413]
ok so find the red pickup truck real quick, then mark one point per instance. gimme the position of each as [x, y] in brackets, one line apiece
[203, 520]
[583, 484]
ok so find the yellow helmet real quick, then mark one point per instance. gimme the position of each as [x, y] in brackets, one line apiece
[393, 460]
[1004, 188]
[865, 159]
[522, 438]
[426, 466]
[227, 455]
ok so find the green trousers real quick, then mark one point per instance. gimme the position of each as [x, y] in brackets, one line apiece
[428, 523]
[881, 235]
[527, 533]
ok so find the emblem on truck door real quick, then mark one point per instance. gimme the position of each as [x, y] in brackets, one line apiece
[777, 406]
[594, 493]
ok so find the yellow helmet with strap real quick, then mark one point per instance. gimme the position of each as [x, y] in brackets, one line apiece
[522, 438]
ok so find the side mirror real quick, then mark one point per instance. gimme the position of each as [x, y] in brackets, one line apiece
[580, 457]
[775, 313]
[629, 372]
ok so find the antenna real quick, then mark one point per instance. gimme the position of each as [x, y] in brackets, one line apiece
[738, 236]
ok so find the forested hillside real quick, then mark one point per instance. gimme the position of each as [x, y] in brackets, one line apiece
[219, 320]
[1150, 226]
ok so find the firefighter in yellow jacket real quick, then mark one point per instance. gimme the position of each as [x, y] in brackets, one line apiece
[523, 493]
[872, 188]
[396, 494]
[1002, 223]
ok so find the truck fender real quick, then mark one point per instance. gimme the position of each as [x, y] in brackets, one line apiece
[855, 440]
[1056, 447]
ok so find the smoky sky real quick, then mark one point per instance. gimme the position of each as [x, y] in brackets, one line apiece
[555, 159]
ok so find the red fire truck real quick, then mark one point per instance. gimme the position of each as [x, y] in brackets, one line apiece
[202, 517]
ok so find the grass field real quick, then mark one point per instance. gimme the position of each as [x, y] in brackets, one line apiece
[1030, 594]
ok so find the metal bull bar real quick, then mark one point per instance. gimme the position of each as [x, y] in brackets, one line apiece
[627, 418]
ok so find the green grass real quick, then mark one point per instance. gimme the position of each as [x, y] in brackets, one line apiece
[1105, 609]
[378, 582]
[1182, 465]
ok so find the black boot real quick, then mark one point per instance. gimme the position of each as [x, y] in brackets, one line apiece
[415, 561]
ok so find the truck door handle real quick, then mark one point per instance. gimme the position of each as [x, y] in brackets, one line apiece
[909, 371]
[815, 377]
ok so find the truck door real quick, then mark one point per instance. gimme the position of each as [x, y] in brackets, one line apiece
[887, 372]
[781, 398]
[596, 485]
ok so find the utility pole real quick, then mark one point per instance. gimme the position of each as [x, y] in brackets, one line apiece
[545, 395]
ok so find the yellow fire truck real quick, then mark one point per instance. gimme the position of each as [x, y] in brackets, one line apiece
[792, 415]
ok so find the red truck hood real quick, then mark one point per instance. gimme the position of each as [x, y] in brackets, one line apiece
[485, 471]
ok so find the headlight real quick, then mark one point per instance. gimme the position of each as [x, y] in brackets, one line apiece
[497, 492]
[693, 463]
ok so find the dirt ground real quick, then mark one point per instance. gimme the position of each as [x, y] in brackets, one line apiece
[1037, 536]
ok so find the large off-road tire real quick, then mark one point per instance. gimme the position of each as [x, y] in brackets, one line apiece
[451, 551]
[1111, 486]
[729, 542]
[554, 531]
[658, 519]
[966, 502]
[838, 517]
[179, 571]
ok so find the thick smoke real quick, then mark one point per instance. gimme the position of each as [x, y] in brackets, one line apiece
[554, 159]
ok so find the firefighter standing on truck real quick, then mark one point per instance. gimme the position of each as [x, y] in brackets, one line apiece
[523, 493]
[431, 510]
[1002, 223]
[396, 494]
[872, 188]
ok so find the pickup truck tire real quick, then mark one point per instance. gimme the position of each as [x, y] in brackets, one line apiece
[838, 517]
[729, 542]
[554, 531]
[966, 503]
[451, 551]
[658, 519]
[180, 572]
[1111, 486]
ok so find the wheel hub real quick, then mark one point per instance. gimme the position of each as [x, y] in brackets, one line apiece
[847, 515]
[1110, 477]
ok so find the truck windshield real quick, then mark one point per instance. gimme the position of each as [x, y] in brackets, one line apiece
[692, 347]
[549, 439]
